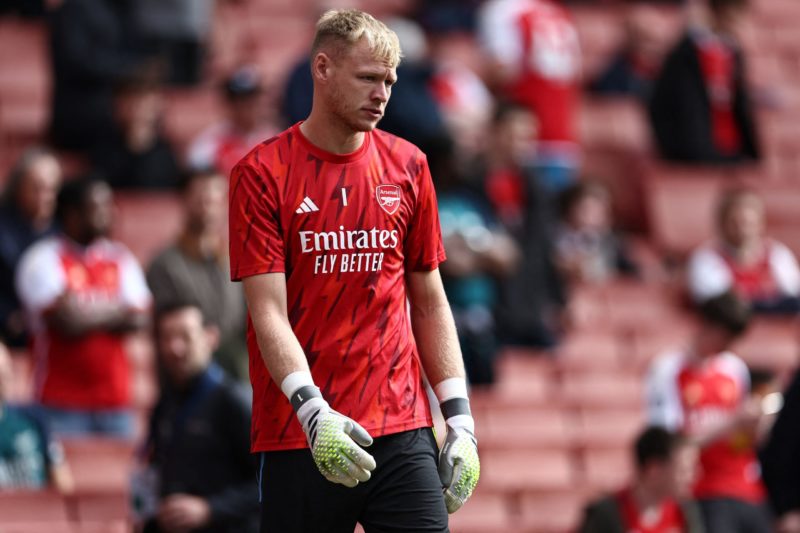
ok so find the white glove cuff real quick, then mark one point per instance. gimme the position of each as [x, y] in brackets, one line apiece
[295, 381]
[451, 388]
[462, 422]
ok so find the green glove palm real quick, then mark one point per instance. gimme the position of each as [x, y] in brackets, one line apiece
[335, 443]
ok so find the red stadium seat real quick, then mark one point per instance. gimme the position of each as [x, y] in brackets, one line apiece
[525, 428]
[771, 343]
[607, 469]
[589, 350]
[518, 471]
[595, 390]
[99, 464]
[42, 507]
[608, 428]
[483, 512]
[552, 512]
[147, 222]
[102, 507]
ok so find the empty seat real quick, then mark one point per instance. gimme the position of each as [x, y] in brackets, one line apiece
[606, 469]
[24, 506]
[551, 512]
[99, 507]
[482, 513]
[602, 390]
[608, 428]
[770, 343]
[99, 464]
[589, 350]
[517, 471]
[147, 222]
[526, 428]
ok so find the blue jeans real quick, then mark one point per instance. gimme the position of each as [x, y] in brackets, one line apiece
[80, 422]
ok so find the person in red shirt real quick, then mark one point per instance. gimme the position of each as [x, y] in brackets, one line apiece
[704, 391]
[534, 59]
[658, 499]
[333, 230]
[700, 110]
[83, 293]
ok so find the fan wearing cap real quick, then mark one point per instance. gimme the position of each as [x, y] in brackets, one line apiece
[248, 122]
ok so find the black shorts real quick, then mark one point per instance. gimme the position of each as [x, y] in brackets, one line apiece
[404, 494]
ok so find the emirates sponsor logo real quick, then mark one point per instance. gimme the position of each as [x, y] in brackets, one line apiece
[388, 197]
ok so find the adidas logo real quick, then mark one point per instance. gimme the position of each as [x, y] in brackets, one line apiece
[307, 206]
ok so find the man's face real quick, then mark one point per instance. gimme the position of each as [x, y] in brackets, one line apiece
[744, 221]
[358, 86]
[207, 202]
[98, 211]
[184, 344]
[39, 188]
[5, 373]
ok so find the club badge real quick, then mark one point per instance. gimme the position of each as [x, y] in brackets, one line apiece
[388, 197]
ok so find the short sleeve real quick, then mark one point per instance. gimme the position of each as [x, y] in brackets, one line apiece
[498, 33]
[133, 286]
[39, 281]
[784, 269]
[663, 404]
[256, 241]
[708, 275]
[423, 247]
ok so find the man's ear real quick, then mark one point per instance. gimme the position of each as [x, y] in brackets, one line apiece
[212, 336]
[321, 65]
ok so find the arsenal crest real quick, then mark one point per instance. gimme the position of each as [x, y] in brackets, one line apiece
[388, 197]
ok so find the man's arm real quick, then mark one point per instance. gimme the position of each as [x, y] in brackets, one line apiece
[334, 439]
[437, 341]
[434, 327]
[73, 317]
[280, 349]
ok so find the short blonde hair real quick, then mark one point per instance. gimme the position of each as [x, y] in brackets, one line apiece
[345, 27]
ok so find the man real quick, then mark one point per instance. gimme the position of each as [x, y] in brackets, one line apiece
[199, 433]
[333, 224]
[29, 458]
[83, 293]
[534, 59]
[248, 122]
[656, 502]
[704, 392]
[196, 267]
[700, 110]
[26, 215]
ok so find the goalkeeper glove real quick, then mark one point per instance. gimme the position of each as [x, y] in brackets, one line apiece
[459, 466]
[335, 440]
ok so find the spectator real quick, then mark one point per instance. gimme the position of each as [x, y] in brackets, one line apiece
[534, 59]
[780, 461]
[532, 299]
[29, 458]
[82, 293]
[178, 29]
[135, 154]
[762, 271]
[658, 500]
[93, 43]
[700, 110]
[587, 249]
[704, 391]
[26, 215]
[223, 145]
[196, 266]
[480, 253]
[633, 69]
[199, 441]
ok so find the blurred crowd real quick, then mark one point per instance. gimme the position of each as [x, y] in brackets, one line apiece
[491, 92]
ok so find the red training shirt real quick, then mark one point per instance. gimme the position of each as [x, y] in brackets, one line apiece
[345, 229]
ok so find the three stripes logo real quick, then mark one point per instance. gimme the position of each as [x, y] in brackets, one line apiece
[307, 206]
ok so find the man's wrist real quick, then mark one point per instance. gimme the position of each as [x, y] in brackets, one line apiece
[298, 387]
[454, 403]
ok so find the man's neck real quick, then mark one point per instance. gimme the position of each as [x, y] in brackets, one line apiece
[201, 244]
[333, 137]
[646, 499]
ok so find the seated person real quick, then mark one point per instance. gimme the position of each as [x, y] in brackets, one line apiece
[586, 247]
[762, 271]
[700, 109]
[27, 213]
[29, 458]
[658, 500]
[135, 154]
[633, 69]
[704, 391]
[198, 447]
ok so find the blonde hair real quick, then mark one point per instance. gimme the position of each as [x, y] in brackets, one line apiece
[345, 27]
